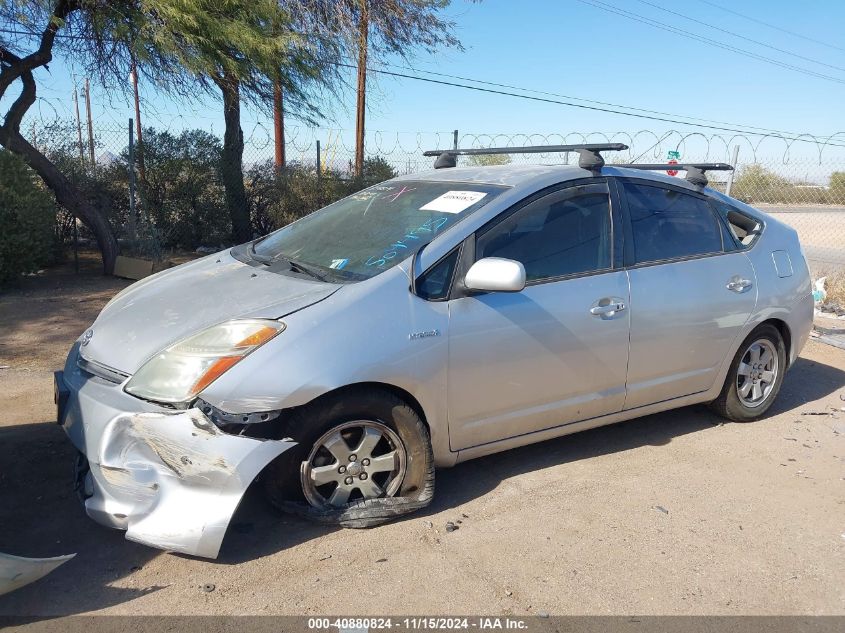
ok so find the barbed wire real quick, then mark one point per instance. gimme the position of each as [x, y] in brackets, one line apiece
[803, 185]
[772, 148]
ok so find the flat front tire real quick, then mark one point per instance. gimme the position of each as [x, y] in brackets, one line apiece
[755, 376]
[364, 457]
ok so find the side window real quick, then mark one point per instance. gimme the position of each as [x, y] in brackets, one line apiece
[434, 283]
[560, 234]
[744, 228]
[668, 224]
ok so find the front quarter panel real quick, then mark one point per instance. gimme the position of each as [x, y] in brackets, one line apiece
[374, 331]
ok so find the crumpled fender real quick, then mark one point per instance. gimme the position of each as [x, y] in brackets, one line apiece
[175, 480]
[16, 571]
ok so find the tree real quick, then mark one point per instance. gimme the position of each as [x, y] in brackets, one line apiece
[370, 30]
[235, 48]
[375, 170]
[241, 50]
[184, 193]
[42, 21]
[382, 28]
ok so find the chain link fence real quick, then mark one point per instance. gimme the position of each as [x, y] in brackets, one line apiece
[800, 181]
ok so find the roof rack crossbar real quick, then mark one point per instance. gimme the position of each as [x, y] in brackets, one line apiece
[590, 153]
[695, 171]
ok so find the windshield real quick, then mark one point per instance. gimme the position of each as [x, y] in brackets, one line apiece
[375, 229]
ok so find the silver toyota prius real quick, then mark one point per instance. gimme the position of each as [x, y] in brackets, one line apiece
[419, 323]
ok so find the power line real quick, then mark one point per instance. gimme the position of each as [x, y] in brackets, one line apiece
[541, 92]
[742, 37]
[576, 105]
[610, 110]
[771, 26]
[706, 40]
[603, 103]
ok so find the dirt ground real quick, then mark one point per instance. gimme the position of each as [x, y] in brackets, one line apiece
[673, 513]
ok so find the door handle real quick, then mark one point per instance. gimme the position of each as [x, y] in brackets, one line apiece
[607, 308]
[738, 284]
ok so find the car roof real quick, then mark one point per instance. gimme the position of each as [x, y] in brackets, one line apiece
[536, 176]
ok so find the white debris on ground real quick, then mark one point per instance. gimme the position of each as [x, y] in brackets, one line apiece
[17, 571]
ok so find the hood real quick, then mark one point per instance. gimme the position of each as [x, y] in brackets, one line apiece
[165, 308]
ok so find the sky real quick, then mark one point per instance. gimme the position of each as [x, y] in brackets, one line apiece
[581, 50]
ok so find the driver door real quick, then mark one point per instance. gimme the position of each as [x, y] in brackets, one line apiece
[557, 352]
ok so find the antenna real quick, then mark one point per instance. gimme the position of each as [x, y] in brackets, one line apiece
[590, 153]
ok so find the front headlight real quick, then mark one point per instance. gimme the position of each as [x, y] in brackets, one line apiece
[183, 370]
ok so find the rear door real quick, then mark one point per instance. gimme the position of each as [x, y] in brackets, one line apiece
[690, 295]
[557, 351]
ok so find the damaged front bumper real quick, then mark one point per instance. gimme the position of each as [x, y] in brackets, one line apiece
[171, 479]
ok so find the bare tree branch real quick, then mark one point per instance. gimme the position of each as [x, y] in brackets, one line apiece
[44, 54]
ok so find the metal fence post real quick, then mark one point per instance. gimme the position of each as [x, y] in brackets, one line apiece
[132, 210]
[734, 158]
[75, 245]
[319, 177]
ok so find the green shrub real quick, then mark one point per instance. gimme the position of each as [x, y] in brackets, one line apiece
[184, 193]
[27, 220]
[837, 188]
[489, 160]
[181, 203]
[756, 184]
[276, 199]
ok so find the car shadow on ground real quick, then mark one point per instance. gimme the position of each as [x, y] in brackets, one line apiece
[41, 515]
[807, 381]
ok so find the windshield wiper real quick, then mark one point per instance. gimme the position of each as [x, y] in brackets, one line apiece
[304, 268]
[264, 259]
[295, 266]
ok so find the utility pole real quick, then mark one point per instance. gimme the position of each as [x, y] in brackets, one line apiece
[133, 77]
[363, 32]
[133, 214]
[90, 124]
[78, 121]
[278, 126]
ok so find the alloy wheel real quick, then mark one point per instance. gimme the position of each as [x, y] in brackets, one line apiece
[757, 373]
[353, 461]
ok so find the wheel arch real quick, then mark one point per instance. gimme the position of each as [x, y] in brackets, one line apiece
[785, 333]
[415, 493]
[406, 396]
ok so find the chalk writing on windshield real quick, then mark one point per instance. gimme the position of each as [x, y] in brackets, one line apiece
[393, 196]
[401, 246]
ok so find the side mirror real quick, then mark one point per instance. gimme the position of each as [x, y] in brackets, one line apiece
[495, 274]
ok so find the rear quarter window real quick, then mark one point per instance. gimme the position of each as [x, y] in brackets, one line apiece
[743, 228]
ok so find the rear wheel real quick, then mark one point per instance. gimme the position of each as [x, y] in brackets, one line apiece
[363, 457]
[755, 376]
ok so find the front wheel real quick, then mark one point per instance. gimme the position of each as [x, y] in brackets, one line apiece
[361, 459]
[364, 457]
[755, 376]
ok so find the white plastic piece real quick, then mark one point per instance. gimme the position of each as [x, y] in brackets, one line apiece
[819, 292]
[17, 571]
